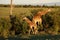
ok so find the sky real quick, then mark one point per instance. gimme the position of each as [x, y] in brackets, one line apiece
[28, 1]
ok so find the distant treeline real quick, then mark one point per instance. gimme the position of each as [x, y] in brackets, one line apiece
[2, 5]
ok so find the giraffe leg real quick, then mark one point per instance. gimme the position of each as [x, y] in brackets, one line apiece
[33, 30]
[40, 26]
[36, 31]
[29, 31]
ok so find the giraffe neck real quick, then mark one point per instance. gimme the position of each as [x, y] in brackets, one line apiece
[27, 20]
[43, 12]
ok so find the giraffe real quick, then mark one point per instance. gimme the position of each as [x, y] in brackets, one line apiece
[37, 18]
[32, 25]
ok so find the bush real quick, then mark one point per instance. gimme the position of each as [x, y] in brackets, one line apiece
[5, 26]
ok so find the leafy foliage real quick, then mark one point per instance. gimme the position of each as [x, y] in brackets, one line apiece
[51, 22]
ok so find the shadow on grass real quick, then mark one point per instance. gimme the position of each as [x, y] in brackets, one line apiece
[34, 37]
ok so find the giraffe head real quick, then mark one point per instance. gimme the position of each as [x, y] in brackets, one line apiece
[49, 9]
[24, 18]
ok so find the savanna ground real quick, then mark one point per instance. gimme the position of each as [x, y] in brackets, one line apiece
[21, 26]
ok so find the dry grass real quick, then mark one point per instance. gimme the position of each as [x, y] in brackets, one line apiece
[5, 11]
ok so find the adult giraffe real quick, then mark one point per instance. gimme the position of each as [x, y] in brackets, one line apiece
[37, 18]
[32, 25]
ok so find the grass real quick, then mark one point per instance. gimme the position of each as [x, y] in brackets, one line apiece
[20, 11]
[5, 11]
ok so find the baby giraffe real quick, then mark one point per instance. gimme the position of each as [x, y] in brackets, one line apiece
[32, 26]
[37, 18]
